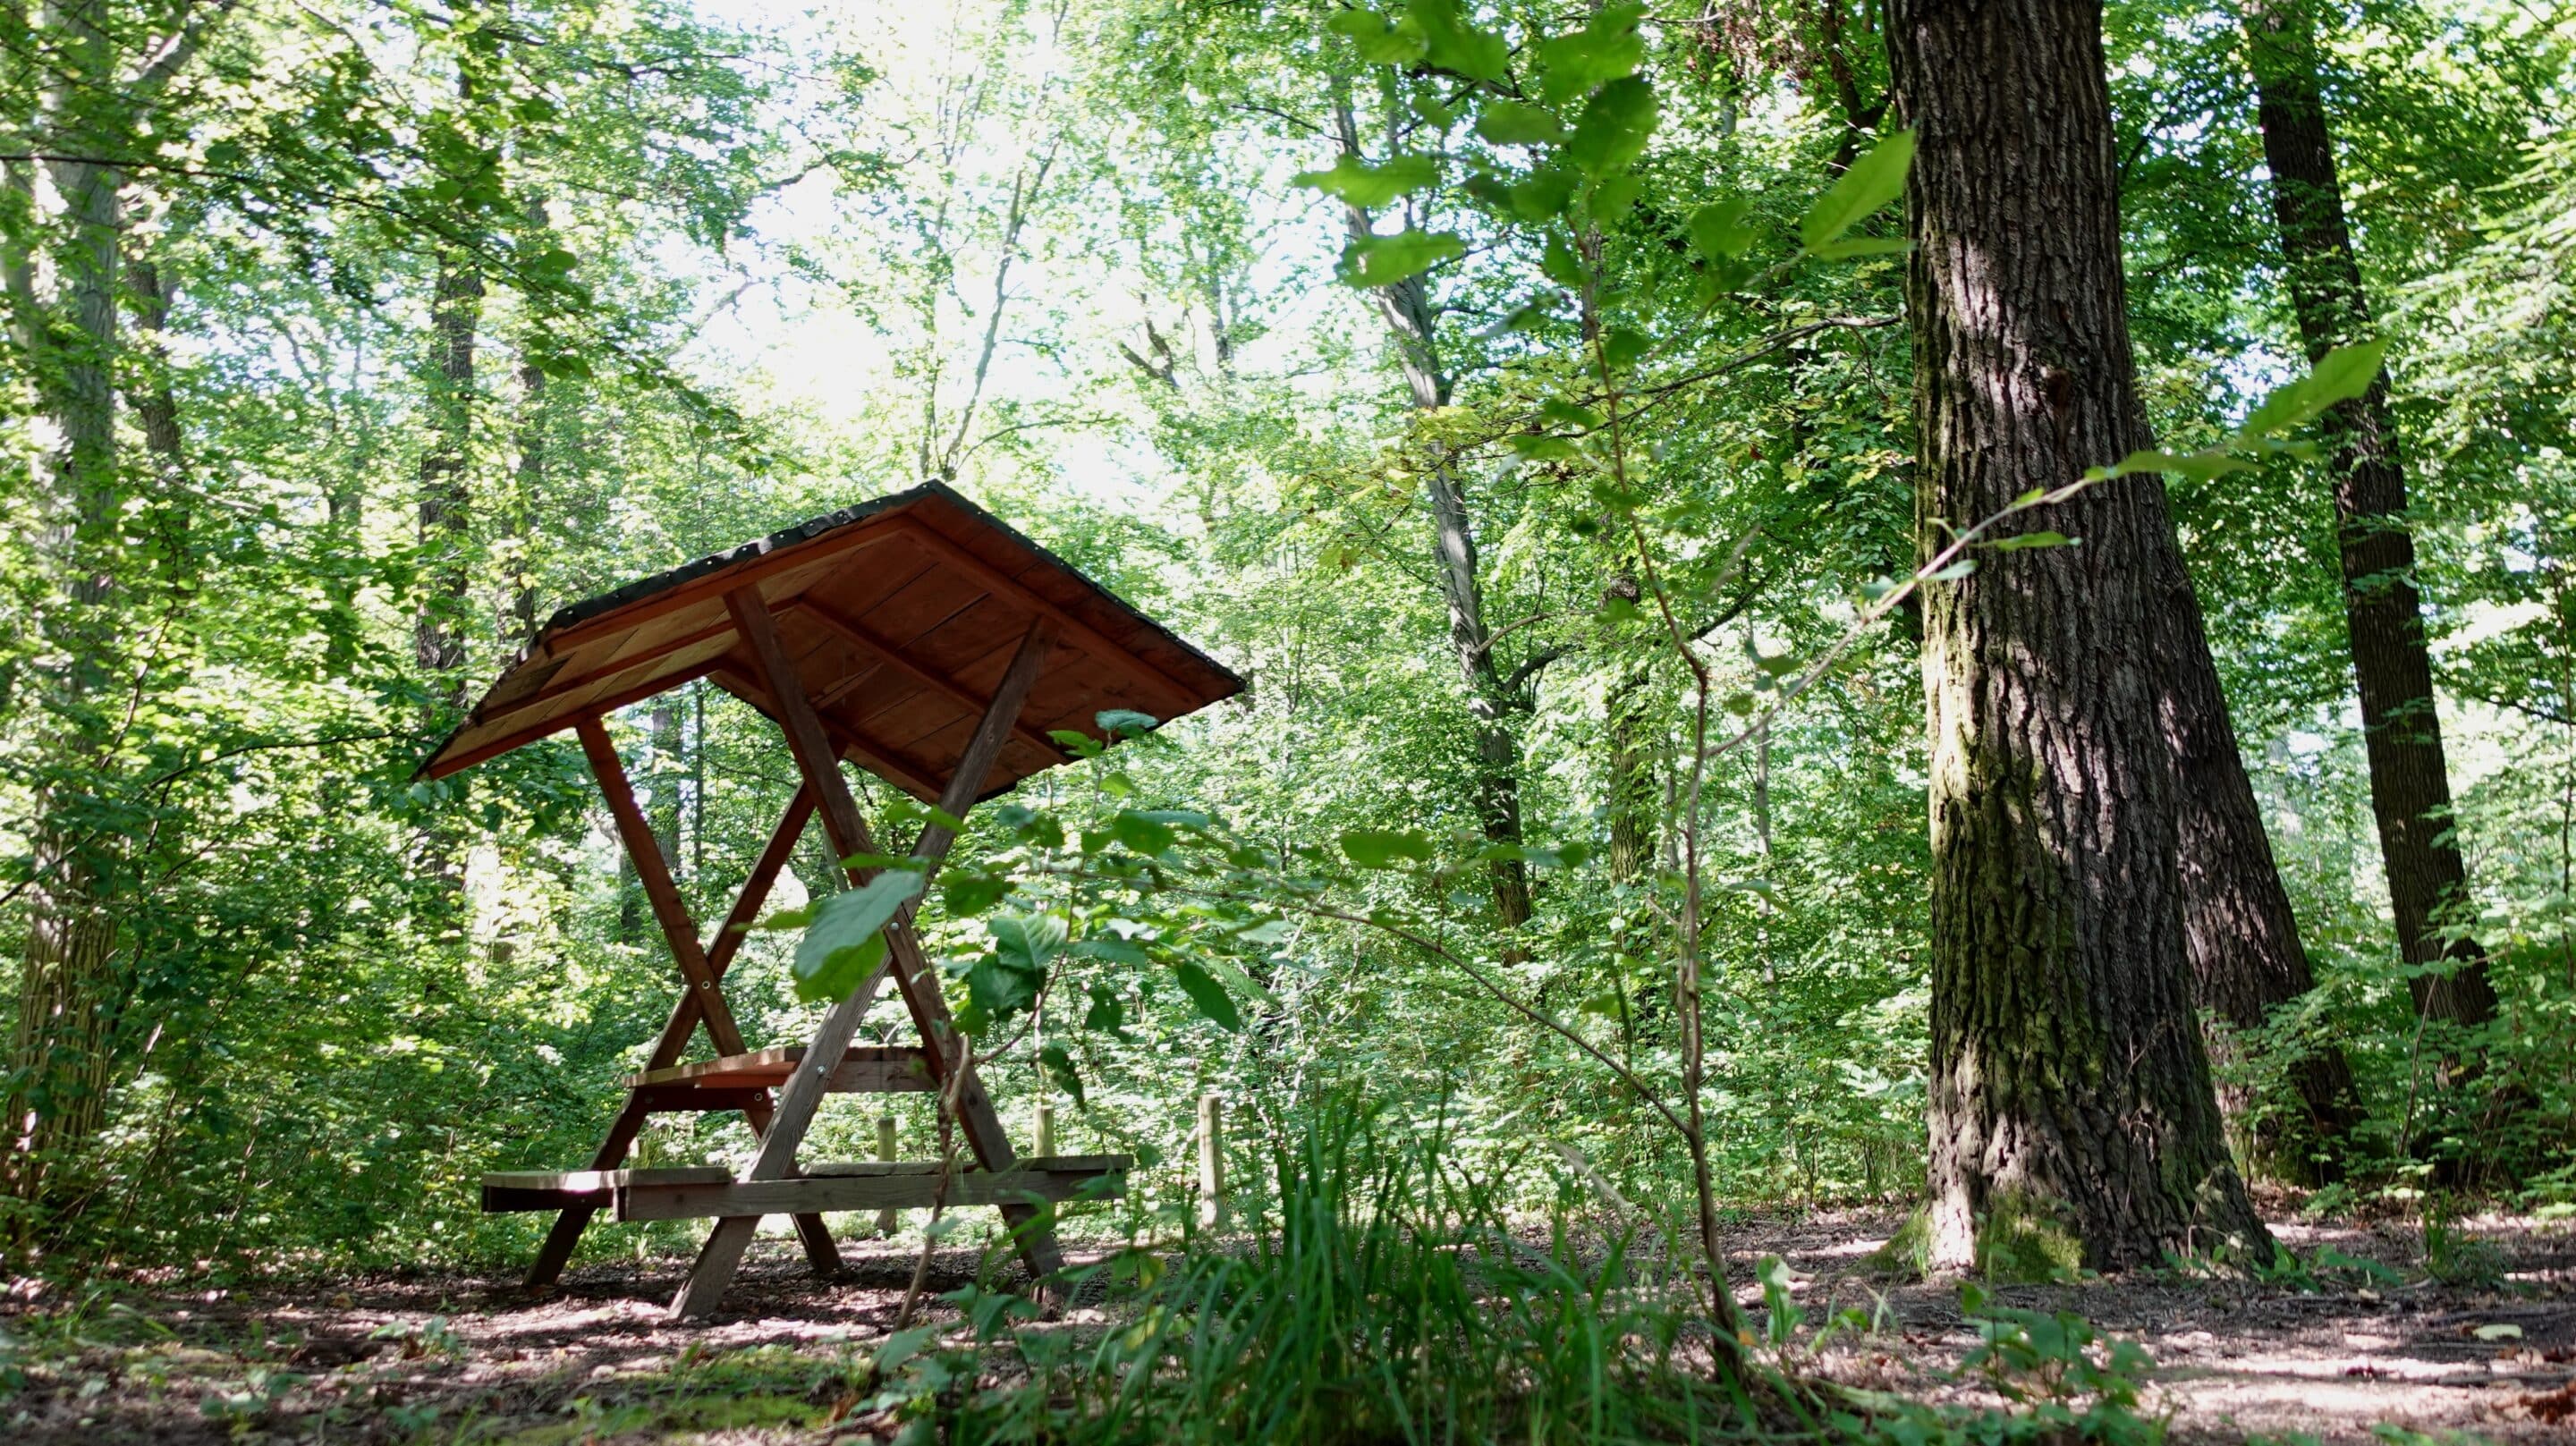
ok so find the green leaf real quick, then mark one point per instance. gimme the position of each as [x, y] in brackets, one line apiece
[1114, 951]
[1377, 848]
[1614, 127]
[1027, 942]
[2345, 373]
[2197, 467]
[1386, 260]
[1606, 49]
[1873, 180]
[1623, 347]
[1143, 834]
[1454, 45]
[845, 941]
[1381, 41]
[1559, 263]
[1851, 247]
[1570, 414]
[1724, 231]
[1059, 1067]
[1361, 184]
[1125, 721]
[968, 892]
[994, 992]
[1954, 571]
[2023, 542]
[1208, 995]
[1108, 1013]
[1509, 123]
[1544, 195]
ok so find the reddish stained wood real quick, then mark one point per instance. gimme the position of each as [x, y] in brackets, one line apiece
[645, 852]
[554, 692]
[566, 1233]
[748, 573]
[815, 758]
[520, 738]
[1092, 640]
[875, 759]
[861, 635]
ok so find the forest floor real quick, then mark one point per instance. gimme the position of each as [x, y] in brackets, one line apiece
[467, 1359]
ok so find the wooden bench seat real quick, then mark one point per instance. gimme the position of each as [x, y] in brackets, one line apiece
[866, 1069]
[706, 1192]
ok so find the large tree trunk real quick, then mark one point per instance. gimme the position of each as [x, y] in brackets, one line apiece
[66, 986]
[2068, 1077]
[2410, 783]
[2241, 933]
[444, 508]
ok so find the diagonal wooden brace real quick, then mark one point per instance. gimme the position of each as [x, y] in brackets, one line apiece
[818, 761]
[702, 999]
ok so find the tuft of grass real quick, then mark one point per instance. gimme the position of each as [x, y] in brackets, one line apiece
[1907, 1255]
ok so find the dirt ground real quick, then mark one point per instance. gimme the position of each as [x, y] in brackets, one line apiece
[441, 1359]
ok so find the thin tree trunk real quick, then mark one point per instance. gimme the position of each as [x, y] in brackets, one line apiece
[444, 506]
[2410, 783]
[2069, 1081]
[1412, 324]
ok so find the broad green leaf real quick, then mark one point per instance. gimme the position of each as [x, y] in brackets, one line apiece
[968, 892]
[1386, 260]
[1544, 195]
[1059, 1067]
[1559, 264]
[1027, 942]
[1208, 995]
[1116, 721]
[1113, 951]
[2345, 373]
[1852, 247]
[2023, 542]
[1143, 834]
[1509, 123]
[1453, 44]
[1614, 127]
[846, 941]
[1570, 414]
[1873, 180]
[1538, 448]
[1379, 40]
[1953, 572]
[1607, 48]
[1378, 848]
[994, 992]
[1361, 184]
[2198, 466]
[1108, 1013]
[1724, 231]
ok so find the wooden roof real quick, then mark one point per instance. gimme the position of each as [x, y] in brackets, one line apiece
[900, 615]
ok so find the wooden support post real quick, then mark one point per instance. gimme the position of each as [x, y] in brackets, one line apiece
[718, 955]
[1211, 1163]
[1046, 1130]
[819, 762]
[885, 1154]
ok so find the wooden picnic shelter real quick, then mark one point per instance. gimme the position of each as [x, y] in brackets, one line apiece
[922, 639]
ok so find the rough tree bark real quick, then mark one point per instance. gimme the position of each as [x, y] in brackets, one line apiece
[2068, 1075]
[2410, 782]
[2241, 933]
[97, 87]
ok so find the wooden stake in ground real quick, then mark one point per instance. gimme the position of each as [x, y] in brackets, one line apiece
[1211, 1162]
